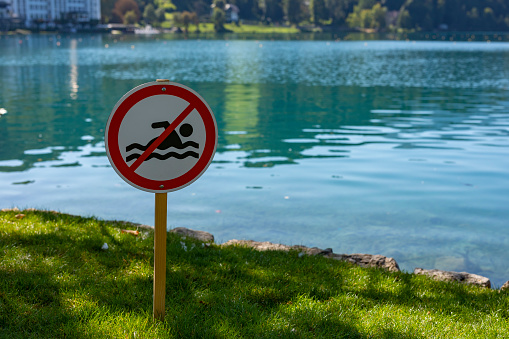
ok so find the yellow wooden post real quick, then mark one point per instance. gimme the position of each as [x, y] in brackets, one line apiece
[160, 255]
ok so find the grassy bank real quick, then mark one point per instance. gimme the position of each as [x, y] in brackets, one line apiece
[57, 281]
[207, 27]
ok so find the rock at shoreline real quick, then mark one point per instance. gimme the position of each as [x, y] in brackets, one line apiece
[269, 246]
[365, 260]
[198, 235]
[370, 260]
[505, 286]
[462, 277]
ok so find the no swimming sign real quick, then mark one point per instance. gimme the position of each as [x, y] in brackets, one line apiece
[161, 136]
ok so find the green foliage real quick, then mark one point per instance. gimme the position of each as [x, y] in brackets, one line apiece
[378, 12]
[149, 14]
[188, 18]
[160, 15]
[220, 4]
[56, 281]
[130, 18]
[404, 20]
[423, 15]
[165, 4]
[249, 9]
[367, 17]
[318, 11]
[122, 7]
[219, 19]
[339, 10]
[106, 9]
[456, 14]
[274, 10]
[294, 11]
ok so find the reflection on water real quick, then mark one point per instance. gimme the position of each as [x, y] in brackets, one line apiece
[391, 147]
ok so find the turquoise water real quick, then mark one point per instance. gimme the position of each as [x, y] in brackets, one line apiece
[398, 148]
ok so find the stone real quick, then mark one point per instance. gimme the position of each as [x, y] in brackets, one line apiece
[269, 246]
[326, 252]
[257, 245]
[505, 286]
[365, 260]
[307, 250]
[15, 209]
[462, 277]
[369, 260]
[198, 235]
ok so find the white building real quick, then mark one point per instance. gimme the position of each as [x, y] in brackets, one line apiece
[4, 9]
[51, 12]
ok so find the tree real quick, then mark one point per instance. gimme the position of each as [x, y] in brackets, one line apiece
[274, 10]
[489, 19]
[366, 4]
[339, 9]
[393, 5]
[106, 10]
[165, 4]
[249, 9]
[149, 14]
[368, 17]
[122, 7]
[404, 20]
[160, 15]
[318, 11]
[294, 11]
[188, 18]
[130, 18]
[378, 13]
[219, 16]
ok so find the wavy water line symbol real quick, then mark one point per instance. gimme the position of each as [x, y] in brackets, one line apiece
[173, 140]
[143, 148]
[165, 156]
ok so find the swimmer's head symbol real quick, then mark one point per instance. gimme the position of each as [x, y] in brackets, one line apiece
[186, 130]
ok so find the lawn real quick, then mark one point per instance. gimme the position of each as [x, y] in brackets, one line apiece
[242, 28]
[58, 280]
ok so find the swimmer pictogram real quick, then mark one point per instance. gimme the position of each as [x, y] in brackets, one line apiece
[172, 141]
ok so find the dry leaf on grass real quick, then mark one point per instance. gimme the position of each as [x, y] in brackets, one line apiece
[19, 216]
[135, 233]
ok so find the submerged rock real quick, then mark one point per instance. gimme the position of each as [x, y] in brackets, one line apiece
[462, 277]
[198, 235]
[369, 260]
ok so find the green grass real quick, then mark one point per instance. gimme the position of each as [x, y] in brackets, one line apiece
[56, 281]
[257, 29]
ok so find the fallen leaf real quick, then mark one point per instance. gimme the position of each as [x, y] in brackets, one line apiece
[135, 233]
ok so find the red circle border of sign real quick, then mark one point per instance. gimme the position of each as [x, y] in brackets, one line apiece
[135, 96]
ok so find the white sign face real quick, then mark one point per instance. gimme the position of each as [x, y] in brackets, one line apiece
[160, 137]
[145, 122]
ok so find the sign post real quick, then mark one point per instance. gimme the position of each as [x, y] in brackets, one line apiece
[160, 137]
[160, 255]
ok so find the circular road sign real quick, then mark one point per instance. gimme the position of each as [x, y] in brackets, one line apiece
[161, 136]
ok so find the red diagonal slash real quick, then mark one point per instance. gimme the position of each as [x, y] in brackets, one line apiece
[161, 138]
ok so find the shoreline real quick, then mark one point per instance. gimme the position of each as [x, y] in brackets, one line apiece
[361, 259]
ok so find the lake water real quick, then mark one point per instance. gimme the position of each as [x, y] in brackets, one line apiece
[398, 148]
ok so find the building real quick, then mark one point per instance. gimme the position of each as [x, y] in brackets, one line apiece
[53, 13]
[231, 13]
[4, 9]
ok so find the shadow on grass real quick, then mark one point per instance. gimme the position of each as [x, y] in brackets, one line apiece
[68, 286]
[437, 296]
